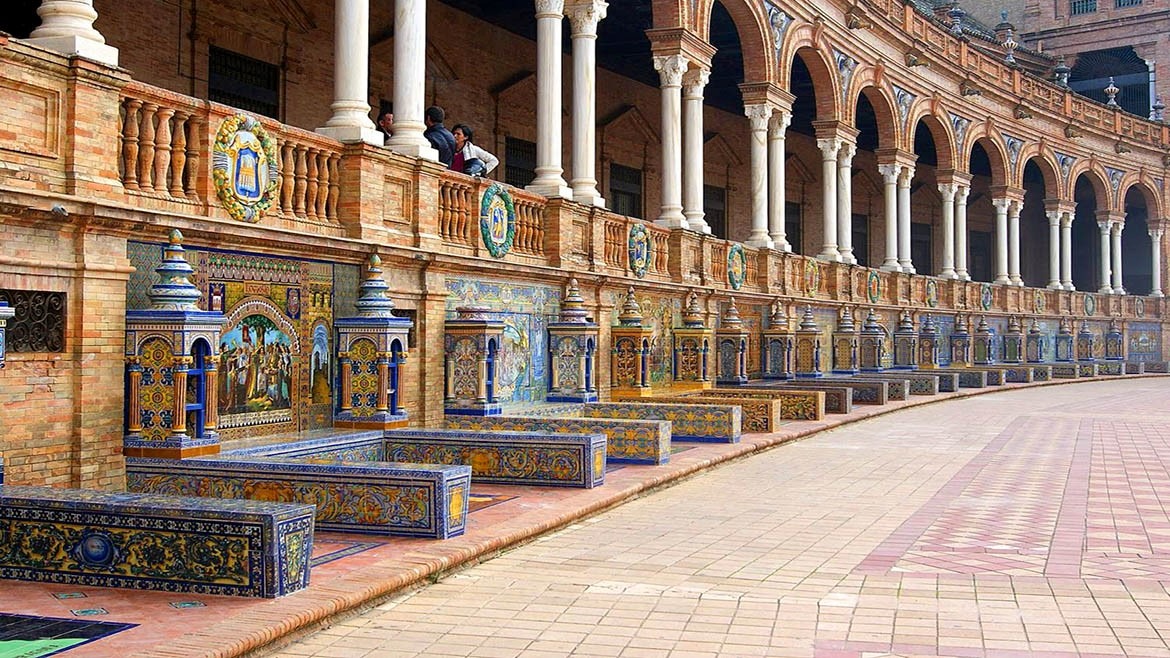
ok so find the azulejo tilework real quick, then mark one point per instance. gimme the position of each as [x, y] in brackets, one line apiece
[205, 545]
[812, 278]
[736, 266]
[985, 297]
[497, 220]
[723, 423]
[244, 168]
[873, 287]
[931, 293]
[628, 441]
[1090, 304]
[641, 249]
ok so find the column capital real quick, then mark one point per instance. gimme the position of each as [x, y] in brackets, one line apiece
[1001, 204]
[694, 80]
[680, 41]
[758, 115]
[888, 156]
[845, 155]
[953, 177]
[550, 9]
[829, 147]
[948, 191]
[781, 119]
[584, 15]
[670, 69]
[906, 176]
[962, 191]
[1053, 217]
[1109, 217]
[890, 171]
[1059, 205]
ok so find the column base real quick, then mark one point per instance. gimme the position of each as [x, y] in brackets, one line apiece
[353, 134]
[1119, 291]
[413, 148]
[963, 276]
[588, 197]
[551, 188]
[1156, 293]
[672, 221]
[1017, 281]
[1055, 285]
[758, 241]
[1002, 280]
[830, 254]
[907, 268]
[1070, 287]
[1105, 290]
[848, 258]
[698, 223]
[780, 243]
[948, 274]
[79, 46]
[891, 266]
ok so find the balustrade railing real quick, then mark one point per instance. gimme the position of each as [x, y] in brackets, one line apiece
[459, 199]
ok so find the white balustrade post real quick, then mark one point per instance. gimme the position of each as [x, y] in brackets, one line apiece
[890, 174]
[829, 148]
[549, 180]
[670, 72]
[776, 174]
[845, 202]
[410, 80]
[758, 116]
[1106, 270]
[351, 75]
[961, 233]
[905, 262]
[947, 190]
[583, 19]
[1115, 233]
[694, 81]
[67, 27]
[1001, 240]
[1156, 260]
[1014, 243]
[1054, 249]
[1066, 220]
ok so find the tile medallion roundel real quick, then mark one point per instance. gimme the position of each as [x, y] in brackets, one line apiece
[873, 287]
[985, 296]
[497, 220]
[812, 277]
[1039, 302]
[736, 266]
[931, 293]
[641, 249]
[1090, 304]
[1139, 309]
[244, 168]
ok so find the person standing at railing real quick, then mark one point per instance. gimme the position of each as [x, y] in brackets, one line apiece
[386, 123]
[470, 158]
[438, 135]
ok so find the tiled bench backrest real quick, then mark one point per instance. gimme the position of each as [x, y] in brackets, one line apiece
[759, 414]
[794, 405]
[864, 391]
[151, 542]
[413, 500]
[688, 422]
[540, 458]
[627, 441]
[838, 399]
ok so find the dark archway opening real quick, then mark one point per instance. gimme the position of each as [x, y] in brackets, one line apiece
[925, 201]
[1034, 238]
[980, 221]
[1136, 246]
[1086, 237]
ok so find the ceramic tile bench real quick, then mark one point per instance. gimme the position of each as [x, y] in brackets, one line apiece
[838, 399]
[1111, 368]
[759, 414]
[1087, 368]
[864, 391]
[1066, 370]
[1131, 368]
[527, 458]
[152, 542]
[1160, 367]
[897, 386]
[627, 441]
[722, 423]
[352, 495]
[794, 404]
[920, 383]
[968, 377]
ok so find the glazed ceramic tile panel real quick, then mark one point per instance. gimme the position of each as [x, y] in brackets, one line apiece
[409, 500]
[759, 415]
[794, 405]
[1145, 341]
[627, 441]
[723, 423]
[660, 315]
[525, 311]
[276, 354]
[165, 543]
[527, 458]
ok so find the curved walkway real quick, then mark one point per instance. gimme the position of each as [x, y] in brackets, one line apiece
[1027, 522]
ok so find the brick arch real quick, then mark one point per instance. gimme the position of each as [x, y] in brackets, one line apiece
[889, 130]
[671, 13]
[1046, 162]
[755, 35]
[804, 43]
[1095, 174]
[1144, 184]
[988, 137]
[939, 129]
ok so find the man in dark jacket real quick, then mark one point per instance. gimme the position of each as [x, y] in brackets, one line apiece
[438, 135]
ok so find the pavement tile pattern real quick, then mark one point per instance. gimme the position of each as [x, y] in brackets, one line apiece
[1028, 522]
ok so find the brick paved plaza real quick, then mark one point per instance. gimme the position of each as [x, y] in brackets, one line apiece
[1019, 523]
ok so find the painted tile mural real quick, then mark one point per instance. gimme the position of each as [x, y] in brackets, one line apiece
[525, 311]
[1145, 341]
[276, 353]
[661, 314]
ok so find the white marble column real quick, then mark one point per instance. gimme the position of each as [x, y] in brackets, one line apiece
[829, 149]
[961, 232]
[777, 133]
[67, 27]
[904, 260]
[1156, 232]
[1106, 270]
[410, 80]
[670, 72]
[1054, 249]
[890, 174]
[1014, 243]
[584, 16]
[1066, 220]
[947, 190]
[694, 81]
[351, 75]
[1001, 240]
[549, 179]
[759, 115]
[1115, 233]
[845, 202]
